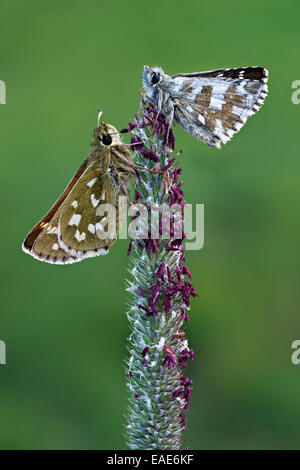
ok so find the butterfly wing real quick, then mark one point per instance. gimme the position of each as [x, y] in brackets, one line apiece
[61, 236]
[88, 223]
[214, 105]
[42, 241]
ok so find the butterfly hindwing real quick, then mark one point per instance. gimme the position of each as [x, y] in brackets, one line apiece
[46, 246]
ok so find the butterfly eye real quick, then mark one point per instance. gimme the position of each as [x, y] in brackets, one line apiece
[155, 78]
[106, 139]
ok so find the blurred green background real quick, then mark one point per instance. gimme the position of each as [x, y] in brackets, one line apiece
[65, 327]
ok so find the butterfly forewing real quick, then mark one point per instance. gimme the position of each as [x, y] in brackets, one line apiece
[252, 73]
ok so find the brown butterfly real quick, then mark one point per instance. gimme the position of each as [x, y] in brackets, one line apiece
[85, 219]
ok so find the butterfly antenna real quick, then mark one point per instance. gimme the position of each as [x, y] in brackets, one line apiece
[123, 131]
[100, 111]
[133, 143]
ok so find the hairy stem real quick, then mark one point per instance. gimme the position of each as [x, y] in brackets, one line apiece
[159, 293]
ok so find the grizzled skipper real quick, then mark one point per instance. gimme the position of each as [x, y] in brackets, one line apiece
[78, 225]
[212, 106]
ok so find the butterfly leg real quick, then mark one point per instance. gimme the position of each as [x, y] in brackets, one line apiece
[132, 164]
[106, 162]
[159, 106]
[123, 186]
[170, 117]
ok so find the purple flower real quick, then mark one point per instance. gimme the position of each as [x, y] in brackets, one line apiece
[160, 271]
[137, 196]
[140, 291]
[163, 291]
[131, 126]
[184, 356]
[129, 249]
[185, 270]
[169, 360]
[145, 350]
[167, 304]
[182, 420]
[140, 147]
[176, 393]
[187, 396]
[147, 310]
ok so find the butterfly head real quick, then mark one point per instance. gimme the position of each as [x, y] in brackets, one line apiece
[107, 135]
[151, 79]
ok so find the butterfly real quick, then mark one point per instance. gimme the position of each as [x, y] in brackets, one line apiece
[211, 106]
[81, 223]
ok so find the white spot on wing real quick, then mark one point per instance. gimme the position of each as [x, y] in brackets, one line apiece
[80, 236]
[51, 230]
[219, 124]
[90, 183]
[74, 204]
[236, 110]
[91, 228]
[75, 219]
[216, 102]
[201, 119]
[55, 246]
[94, 201]
[103, 196]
